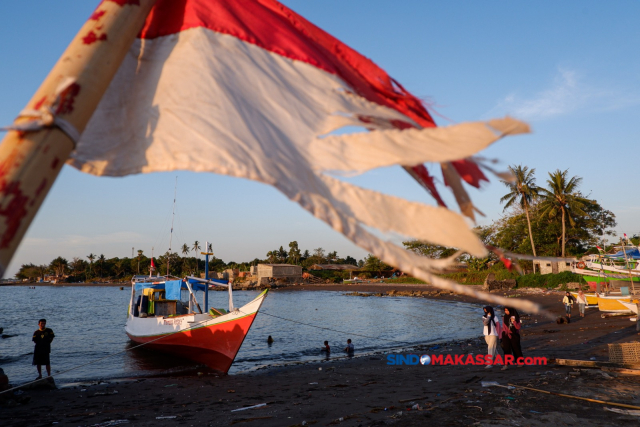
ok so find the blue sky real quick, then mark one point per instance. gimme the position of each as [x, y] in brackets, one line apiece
[569, 68]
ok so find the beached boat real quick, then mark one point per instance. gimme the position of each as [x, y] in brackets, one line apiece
[593, 278]
[612, 303]
[165, 313]
[631, 306]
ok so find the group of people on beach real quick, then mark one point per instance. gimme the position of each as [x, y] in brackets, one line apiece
[568, 301]
[506, 331]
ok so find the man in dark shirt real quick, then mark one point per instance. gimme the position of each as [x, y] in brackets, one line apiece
[42, 337]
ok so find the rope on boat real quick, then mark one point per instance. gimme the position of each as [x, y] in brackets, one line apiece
[105, 357]
[332, 330]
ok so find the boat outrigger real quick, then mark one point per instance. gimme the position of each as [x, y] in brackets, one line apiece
[165, 313]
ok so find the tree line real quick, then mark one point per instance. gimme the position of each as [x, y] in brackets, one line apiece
[96, 267]
[553, 220]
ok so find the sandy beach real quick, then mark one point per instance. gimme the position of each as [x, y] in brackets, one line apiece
[366, 391]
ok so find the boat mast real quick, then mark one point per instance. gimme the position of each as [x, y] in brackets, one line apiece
[173, 215]
[206, 274]
[626, 264]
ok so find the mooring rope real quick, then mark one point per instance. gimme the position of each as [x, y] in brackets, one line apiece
[332, 330]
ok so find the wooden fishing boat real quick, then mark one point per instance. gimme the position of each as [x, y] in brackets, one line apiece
[612, 303]
[165, 315]
[631, 306]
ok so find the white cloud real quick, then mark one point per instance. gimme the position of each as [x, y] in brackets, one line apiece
[568, 93]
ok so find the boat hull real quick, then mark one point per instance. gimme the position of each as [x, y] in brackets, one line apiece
[212, 341]
[631, 306]
[593, 278]
[592, 299]
[612, 305]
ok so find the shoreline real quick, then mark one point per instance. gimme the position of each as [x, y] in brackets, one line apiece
[352, 392]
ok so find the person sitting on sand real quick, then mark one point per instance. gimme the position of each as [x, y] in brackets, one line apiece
[490, 333]
[568, 304]
[349, 348]
[326, 347]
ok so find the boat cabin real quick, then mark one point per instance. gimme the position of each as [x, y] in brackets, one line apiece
[157, 297]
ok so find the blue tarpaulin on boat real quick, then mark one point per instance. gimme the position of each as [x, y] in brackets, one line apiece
[633, 253]
[141, 286]
[172, 289]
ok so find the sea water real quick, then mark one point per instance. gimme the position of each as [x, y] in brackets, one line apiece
[89, 326]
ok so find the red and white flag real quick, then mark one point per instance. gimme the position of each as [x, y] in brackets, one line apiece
[248, 88]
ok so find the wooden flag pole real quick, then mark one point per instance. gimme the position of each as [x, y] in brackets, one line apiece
[31, 160]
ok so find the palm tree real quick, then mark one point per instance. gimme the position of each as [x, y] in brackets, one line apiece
[139, 255]
[522, 191]
[562, 197]
[196, 248]
[91, 257]
[101, 259]
[185, 251]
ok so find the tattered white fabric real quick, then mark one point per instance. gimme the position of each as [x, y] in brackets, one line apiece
[363, 151]
[205, 101]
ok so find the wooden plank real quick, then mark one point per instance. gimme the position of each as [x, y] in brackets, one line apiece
[622, 371]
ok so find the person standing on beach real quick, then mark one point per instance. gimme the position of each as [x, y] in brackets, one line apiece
[42, 337]
[582, 302]
[326, 347]
[568, 304]
[511, 333]
[490, 334]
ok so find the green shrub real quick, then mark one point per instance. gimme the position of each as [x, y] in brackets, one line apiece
[411, 280]
[550, 281]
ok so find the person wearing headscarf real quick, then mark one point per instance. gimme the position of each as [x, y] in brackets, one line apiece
[491, 328]
[511, 332]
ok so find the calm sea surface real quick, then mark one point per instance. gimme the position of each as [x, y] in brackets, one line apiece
[89, 324]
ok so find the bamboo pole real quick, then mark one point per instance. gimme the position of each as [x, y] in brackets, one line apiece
[595, 364]
[626, 264]
[31, 161]
[605, 402]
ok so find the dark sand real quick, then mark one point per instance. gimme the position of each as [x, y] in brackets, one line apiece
[354, 392]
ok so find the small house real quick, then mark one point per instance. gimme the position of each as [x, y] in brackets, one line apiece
[548, 267]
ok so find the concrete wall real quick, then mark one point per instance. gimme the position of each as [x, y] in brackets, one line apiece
[279, 270]
[547, 267]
